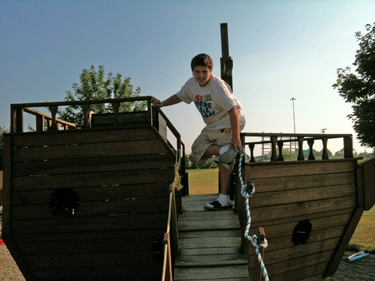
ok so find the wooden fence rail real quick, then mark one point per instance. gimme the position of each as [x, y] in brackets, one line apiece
[277, 141]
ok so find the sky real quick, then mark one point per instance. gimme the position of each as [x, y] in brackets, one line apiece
[280, 49]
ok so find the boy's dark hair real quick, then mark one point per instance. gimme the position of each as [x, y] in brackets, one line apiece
[202, 60]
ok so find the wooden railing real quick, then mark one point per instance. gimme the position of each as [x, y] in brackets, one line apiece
[170, 241]
[277, 141]
[17, 111]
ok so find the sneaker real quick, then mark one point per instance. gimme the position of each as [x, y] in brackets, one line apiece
[228, 156]
[216, 206]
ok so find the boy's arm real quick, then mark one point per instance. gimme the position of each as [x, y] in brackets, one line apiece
[169, 101]
[235, 124]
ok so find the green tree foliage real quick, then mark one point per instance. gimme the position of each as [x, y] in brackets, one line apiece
[2, 132]
[359, 88]
[192, 163]
[94, 86]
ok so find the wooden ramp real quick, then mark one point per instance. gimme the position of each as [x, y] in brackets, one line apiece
[209, 242]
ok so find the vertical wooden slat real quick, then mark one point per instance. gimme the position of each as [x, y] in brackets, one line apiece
[7, 163]
[310, 142]
[86, 121]
[258, 270]
[251, 147]
[273, 148]
[16, 120]
[116, 108]
[301, 157]
[280, 147]
[53, 110]
[348, 147]
[325, 150]
[174, 223]
[40, 122]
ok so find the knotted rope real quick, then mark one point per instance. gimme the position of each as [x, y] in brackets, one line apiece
[253, 239]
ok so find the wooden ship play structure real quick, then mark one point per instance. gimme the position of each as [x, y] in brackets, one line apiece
[102, 201]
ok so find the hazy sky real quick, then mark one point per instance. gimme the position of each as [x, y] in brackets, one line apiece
[280, 49]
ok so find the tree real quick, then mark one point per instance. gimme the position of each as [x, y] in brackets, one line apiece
[359, 88]
[95, 86]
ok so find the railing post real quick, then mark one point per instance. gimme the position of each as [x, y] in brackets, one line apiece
[116, 108]
[86, 116]
[273, 147]
[280, 147]
[53, 110]
[325, 151]
[310, 142]
[17, 120]
[348, 147]
[301, 157]
[260, 238]
[251, 147]
[40, 123]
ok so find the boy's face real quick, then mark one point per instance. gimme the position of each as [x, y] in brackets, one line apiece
[202, 75]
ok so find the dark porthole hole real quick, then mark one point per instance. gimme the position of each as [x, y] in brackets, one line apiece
[301, 232]
[64, 202]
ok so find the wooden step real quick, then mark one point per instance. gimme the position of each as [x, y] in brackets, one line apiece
[209, 243]
[227, 273]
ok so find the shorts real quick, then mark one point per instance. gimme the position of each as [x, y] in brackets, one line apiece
[209, 137]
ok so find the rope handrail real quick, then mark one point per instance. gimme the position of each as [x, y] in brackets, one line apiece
[247, 193]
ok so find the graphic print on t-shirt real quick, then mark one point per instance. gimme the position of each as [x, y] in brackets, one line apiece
[203, 106]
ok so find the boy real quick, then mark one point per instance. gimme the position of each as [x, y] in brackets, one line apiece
[224, 118]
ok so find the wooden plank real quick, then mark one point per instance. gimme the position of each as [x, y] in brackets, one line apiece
[109, 149]
[89, 194]
[210, 260]
[88, 224]
[92, 209]
[7, 185]
[207, 225]
[298, 251]
[302, 208]
[212, 242]
[211, 273]
[212, 233]
[300, 182]
[52, 182]
[302, 273]
[321, 229]
[108, 247]
[102, 234]
[369, 183]
[83, 137]
[294, 264]
[296, 219]
[119, 272]
[342, 246]
[210, 251]
[288, 169]
[302, 195]
[93, 259]
[285, 242]
[96, 164]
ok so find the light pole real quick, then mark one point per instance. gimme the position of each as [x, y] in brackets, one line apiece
[294, 122]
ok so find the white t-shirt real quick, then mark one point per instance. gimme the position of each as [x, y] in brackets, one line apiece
[213, 101]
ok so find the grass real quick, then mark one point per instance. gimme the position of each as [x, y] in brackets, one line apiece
[206, 182]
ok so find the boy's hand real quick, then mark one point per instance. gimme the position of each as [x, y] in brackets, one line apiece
[156, 102]
[236, 142]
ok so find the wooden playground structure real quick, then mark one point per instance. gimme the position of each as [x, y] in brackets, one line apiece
[101, 201]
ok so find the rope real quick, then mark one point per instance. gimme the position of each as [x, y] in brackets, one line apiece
[253, 239]
[177, 177]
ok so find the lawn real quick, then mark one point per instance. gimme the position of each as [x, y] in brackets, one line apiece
[206, 182]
